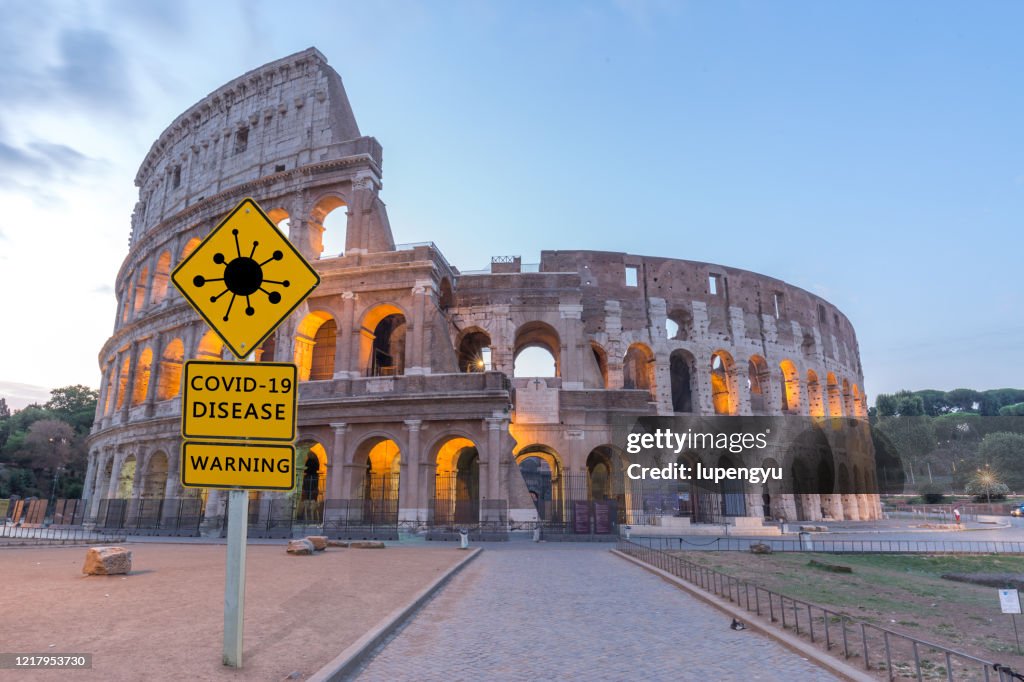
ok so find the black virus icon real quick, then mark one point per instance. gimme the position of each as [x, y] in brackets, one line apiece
[243, 276]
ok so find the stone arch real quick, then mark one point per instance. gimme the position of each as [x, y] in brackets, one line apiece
[316, 341]
[835, 399]
[328, 225]
[679, 324]
[381, 459]
[758, 384]
[790, 387]
[858, 403]
[189, 247]
[140, 289]
[474, 348]
[210, 347]
[170, 370]
[598, 378]
[122, 382]
[126, 478]
[456, 480]
[681, 368]
[724, 396]
[815, 401]
[161, 278]
[638, 368]
[154, 481]
[541, 468]
[382, 340]
[143, 368]
[540, 335]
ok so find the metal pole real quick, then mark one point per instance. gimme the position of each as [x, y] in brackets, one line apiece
[1015, 633]
[234, 586]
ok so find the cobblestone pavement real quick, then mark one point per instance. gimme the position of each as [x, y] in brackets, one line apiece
[543, 612]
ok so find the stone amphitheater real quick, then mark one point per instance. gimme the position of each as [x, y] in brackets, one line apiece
[433, 397]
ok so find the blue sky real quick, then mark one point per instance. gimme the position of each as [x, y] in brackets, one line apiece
[870, 152]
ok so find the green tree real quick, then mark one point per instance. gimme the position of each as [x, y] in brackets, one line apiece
[934, 402]
[1015, 410]
[75, 405]
[1004, 452]
[911, 438]
[962, 399]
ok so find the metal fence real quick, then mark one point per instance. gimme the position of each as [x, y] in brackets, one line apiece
[175, 516]
[825, 546]
[15, 535]
[878, 649]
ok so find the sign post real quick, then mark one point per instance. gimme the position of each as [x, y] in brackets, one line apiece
[1009, 602]
[238, 418]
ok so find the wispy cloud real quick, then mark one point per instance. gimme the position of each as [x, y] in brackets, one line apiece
[20, 395]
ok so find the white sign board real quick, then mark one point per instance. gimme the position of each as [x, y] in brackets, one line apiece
[1009, 601]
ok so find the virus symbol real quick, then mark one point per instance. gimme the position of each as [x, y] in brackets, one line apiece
[243, 276]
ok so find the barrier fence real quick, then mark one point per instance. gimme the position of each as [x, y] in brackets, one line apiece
[16, 535]
[825, 546]
[876, 648]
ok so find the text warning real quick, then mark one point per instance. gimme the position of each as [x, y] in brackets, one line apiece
[239, 400]
[229, 465]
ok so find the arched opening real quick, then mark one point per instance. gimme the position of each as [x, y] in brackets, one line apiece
[382, 346]
[126, 478]
[790, 387]
[475, 351]
[210, 347]
[541, 469]
[161, 277]
[723, 393]
[815, 401]
[312, 460]
[835, 398]
[457, 483]
[758, 384]
[598, 378]
[142, 370]
[382, 460]
[170, 370]
[680, 369]
[638, 369]
[329, 225]
[154, 483]
[678, 324]
[536, 351]
[733, 497]
[858, 403]
[315, 345]
[268, 349]
[599, 476]
[122, 382]
[190, 246]
[771, 493]
[111, 377]
[140, 289]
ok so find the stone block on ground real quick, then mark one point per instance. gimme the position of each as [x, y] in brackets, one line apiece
[366, 544]
[302, 547]
[107, 561]
[760, 548]
[337, 543]
[319, 542]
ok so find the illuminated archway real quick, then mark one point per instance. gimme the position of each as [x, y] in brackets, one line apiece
[154, 482]
[315, 346]
[210, 347]
[541, 469]
[835, 399]
[140, 289]
[815, 401]
[170, 370]
[723, 392]
[791, 387]
[758, 383]
[381, 460]
[457, 483]
[122, 383]
[474, 351]
[638, 368]
[382, 341]
[126, 478]
[143, 367]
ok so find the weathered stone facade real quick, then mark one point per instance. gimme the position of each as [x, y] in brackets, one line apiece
[408, 364]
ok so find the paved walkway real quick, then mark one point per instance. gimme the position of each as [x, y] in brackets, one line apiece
[572, 612]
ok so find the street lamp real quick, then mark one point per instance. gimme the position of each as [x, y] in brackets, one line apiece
[987, 478]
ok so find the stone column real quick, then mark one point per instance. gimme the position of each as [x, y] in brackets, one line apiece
[495, 426]
[569, 362]
[129, 386]
[115, 474]
[343, 363]
[613, 327]
[102, 400]
[851, 511]
[90, 477]
[417, 362]
[755, 505]
[412, 508]
[99, 485]
[154, 373]
[737, 378]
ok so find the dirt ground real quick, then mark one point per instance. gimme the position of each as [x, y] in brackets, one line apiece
[164, 621]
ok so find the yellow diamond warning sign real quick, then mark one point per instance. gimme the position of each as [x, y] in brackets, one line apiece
[239, 400]
[230, 465]
[245, 278]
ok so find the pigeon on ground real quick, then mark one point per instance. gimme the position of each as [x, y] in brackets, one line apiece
[737, 625]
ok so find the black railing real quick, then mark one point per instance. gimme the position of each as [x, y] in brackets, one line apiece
[879, 649]
[15, 535]
[826, 546]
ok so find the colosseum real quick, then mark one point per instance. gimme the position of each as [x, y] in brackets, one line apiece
[434, 398]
